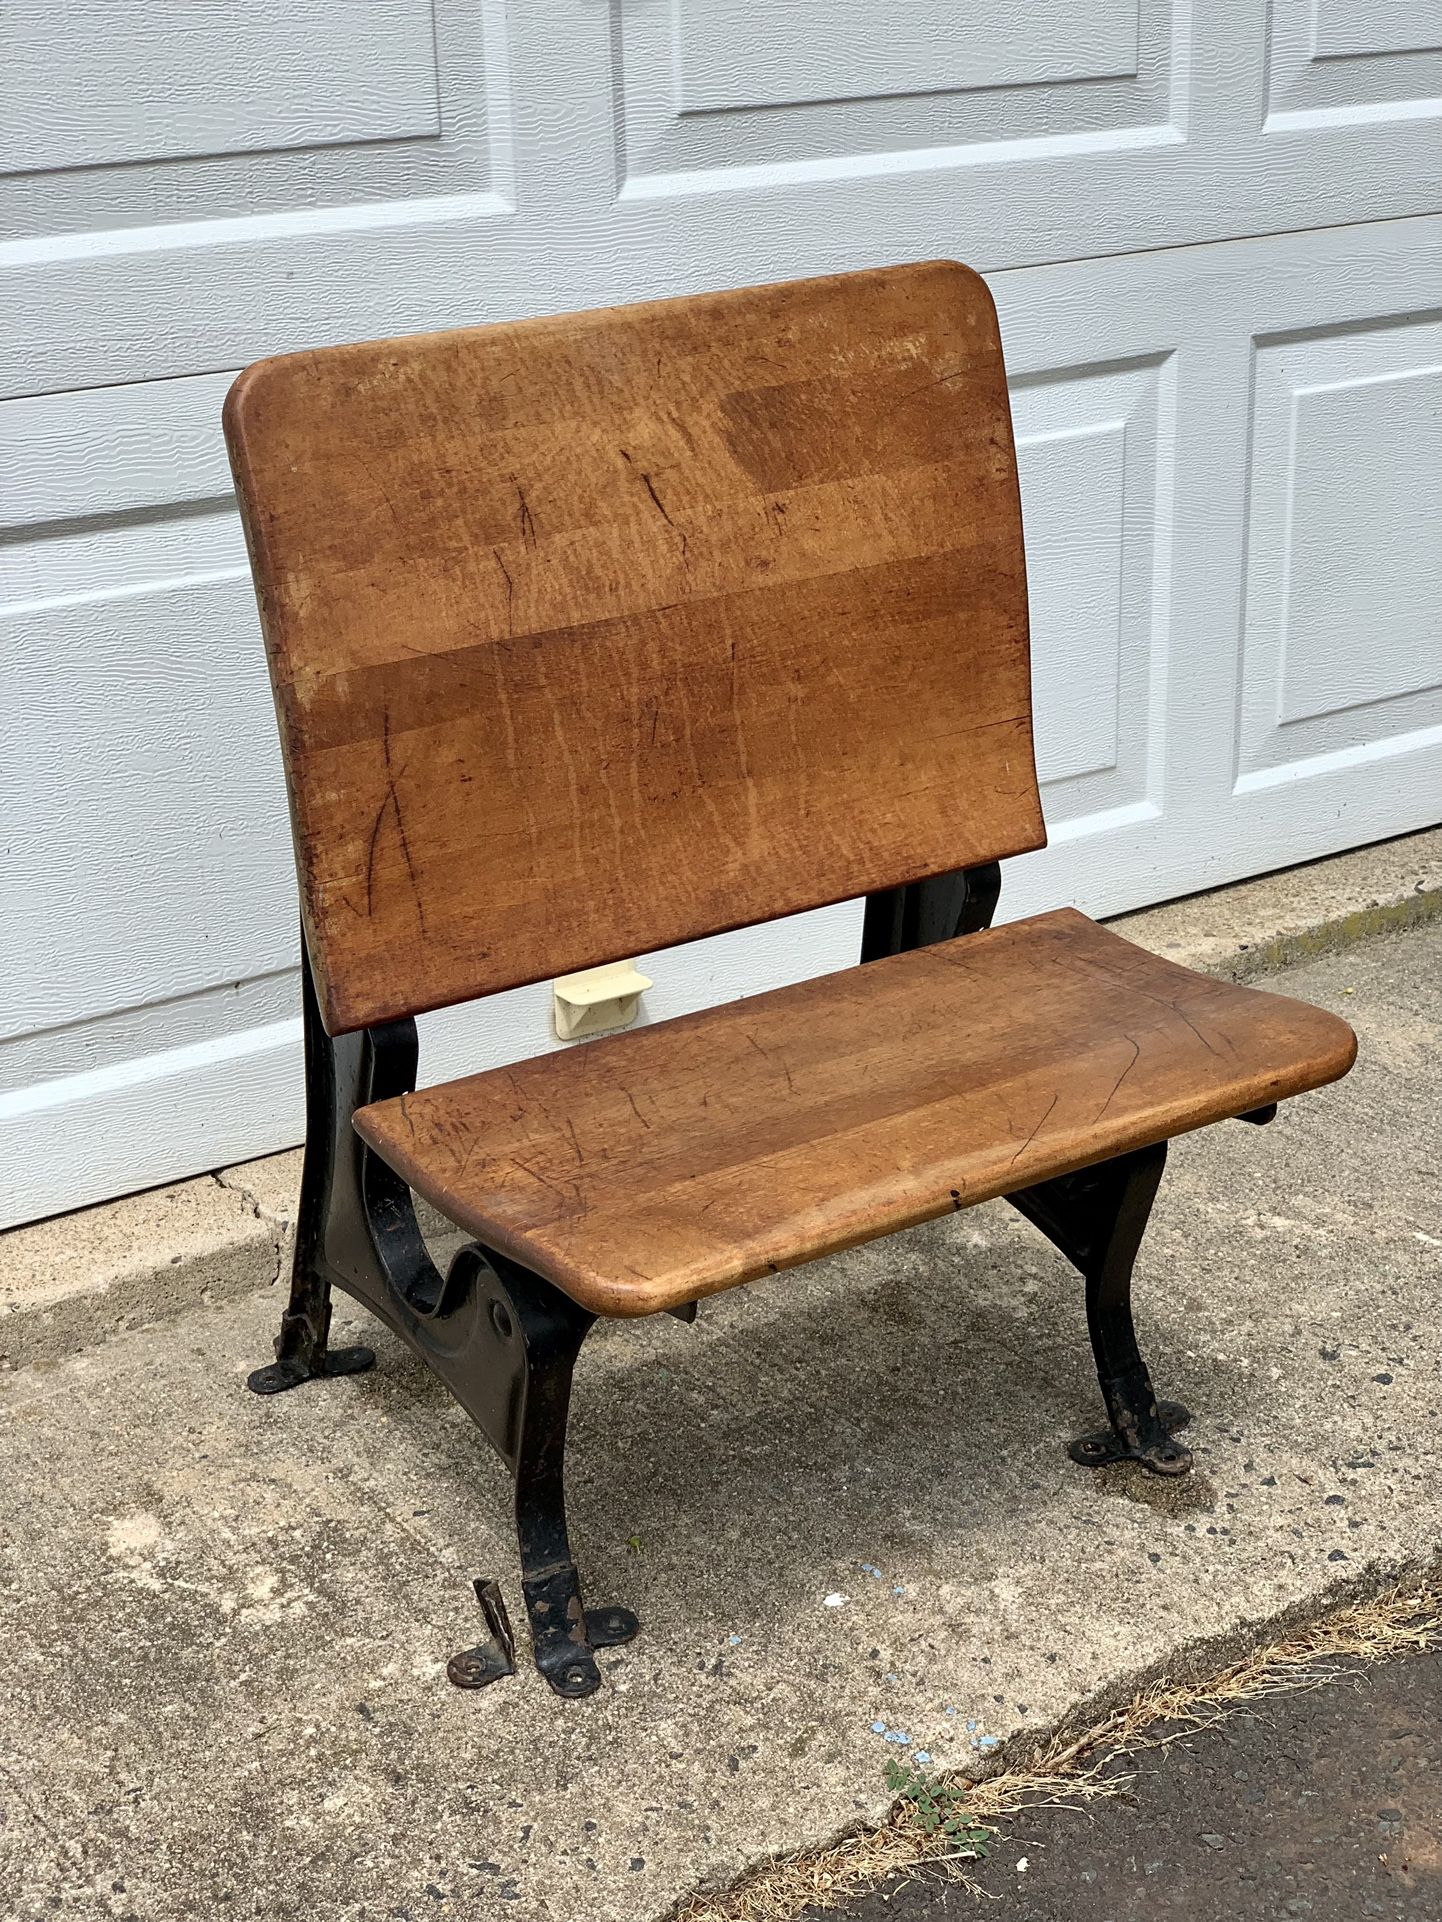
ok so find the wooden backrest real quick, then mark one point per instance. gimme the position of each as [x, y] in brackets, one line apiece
[598, 633]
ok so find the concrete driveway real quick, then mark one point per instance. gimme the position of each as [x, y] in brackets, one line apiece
[226, 1620]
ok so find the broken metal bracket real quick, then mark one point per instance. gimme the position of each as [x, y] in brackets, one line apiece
[565, 1634]
[488, 1661]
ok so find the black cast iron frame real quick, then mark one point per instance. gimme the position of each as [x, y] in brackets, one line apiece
[505, 1342]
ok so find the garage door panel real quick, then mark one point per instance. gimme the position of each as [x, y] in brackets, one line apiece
[131, 112]
[148, 1095]
[707, 85]
[1094, 450]
[1341, 31]
[143, 80]
[104, 453]
[727, 55]
[570, 172]
[145, 809]
[1212, 411]
[1330, 62]
[1341, 651]
[1238, 330]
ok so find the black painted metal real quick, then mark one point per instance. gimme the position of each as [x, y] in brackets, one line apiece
[1097, 1218]
[330, 1189]
[501, 1339]
[535, 1332]
[900, 919]
[488, 1661]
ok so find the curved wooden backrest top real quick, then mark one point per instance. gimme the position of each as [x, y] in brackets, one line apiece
[603, 632]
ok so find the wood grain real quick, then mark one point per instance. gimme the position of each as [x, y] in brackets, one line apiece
[598, 633]
[660, 1165]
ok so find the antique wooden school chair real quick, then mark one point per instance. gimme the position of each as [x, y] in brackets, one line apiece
[598, 633]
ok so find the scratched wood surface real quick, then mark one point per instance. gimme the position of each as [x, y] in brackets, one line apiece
[598, 633]
[663, 1164]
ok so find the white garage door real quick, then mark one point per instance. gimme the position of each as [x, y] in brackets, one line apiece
[1214, 241]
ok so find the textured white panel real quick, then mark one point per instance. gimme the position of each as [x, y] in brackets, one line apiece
[112, 450]
[155, 1117]
[149, 852]
[1343, 642]
[1096, 507]
[1074, 489]
[722, 84]
[1117, 154]
[1334, 62]
[1341, 29]
[120, 115]
[731, 55]
[107, 81]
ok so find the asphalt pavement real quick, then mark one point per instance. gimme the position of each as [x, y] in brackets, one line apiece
[1323, 1804]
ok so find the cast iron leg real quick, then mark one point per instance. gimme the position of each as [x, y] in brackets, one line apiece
[1097, 1218]
[502, 1340]
[301, 1348]
[1142, 1428]
[538, 1332]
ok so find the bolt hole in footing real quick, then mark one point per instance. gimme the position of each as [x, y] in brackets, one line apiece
[1158, 1457]
[488, 1661]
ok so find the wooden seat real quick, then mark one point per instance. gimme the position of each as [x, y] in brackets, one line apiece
[655, 1167]
[602, 632]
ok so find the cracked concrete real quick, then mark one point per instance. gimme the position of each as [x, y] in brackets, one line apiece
[78, 1279]
[226, 1620]
[278, 1218]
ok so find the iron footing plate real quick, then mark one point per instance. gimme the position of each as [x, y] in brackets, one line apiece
[1158, 1453]
[277, 1376]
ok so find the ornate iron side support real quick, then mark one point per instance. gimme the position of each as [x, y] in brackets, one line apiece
[533, 1333]
[503, 1340]
[900, 919]
[1097, 1218]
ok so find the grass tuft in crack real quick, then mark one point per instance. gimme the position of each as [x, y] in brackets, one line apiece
[937, 1806]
